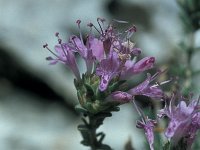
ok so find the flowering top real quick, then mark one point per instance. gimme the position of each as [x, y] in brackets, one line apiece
[184, 119]
[110, 61]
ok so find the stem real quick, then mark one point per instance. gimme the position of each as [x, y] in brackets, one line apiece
[90, 137]
[89, 129]
[92, 128]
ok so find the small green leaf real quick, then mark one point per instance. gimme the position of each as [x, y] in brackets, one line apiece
[80, 109]
[86, 143]
[115, 86]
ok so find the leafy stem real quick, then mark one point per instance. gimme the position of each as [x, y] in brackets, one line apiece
[91, 122]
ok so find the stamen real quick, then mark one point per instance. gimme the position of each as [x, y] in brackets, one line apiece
[60, 43]
[161, 83]
[80, 33]
[63, 50]
[57, 35]
[156, 74]
[139, 111]
[78, 23]
[99, 19]
[92, 25]
[46, 46]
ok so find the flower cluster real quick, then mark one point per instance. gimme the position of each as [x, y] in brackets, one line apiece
[110, 60]
[184, 119]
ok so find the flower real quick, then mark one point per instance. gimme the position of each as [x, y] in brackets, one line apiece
[133, 68]
[184, 119]
[146, 89]
[96, 46]
[107, 69]
[111, 60]
[148, 126]
[66, 56]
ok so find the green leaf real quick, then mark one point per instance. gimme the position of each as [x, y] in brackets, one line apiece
[115, 86]
[80, 109]
[90, 92]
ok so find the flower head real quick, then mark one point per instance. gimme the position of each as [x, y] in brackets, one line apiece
[110, 59]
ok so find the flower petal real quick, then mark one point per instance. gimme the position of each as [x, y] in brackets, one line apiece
[144, 64]
[97, 47]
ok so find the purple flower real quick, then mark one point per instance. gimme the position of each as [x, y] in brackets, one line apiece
[77, 45]
[132, 68]
[146, 89]
[142, 65]
[111, 52]
[184, 119]
[107, 69]
[96, 46]
[92, 43]
[66, 56]
[148, 126]
[110, 60]
[93, 48]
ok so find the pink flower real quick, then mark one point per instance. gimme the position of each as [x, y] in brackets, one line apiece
[148, 89]
[110, 61]
[184, 119]
[107, 69]
[66, 56]
[96, 46]
[132, 68]
[148, 126]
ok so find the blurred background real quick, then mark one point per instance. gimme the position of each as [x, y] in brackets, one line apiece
[37, 100]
